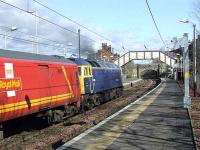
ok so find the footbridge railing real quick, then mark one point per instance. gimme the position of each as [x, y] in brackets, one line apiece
[165, 57]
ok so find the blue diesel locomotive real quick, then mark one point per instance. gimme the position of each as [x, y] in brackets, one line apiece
[100, 81]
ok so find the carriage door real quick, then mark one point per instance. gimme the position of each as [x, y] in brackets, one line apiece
[44, 86]
[88, 80]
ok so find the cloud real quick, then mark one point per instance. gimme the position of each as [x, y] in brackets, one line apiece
[90, 43]
[131, 41]
[26, 23]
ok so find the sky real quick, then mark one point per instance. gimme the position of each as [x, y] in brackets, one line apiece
[124, 22]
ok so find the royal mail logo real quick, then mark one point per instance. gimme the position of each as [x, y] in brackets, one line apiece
[9, 72]
[10, 84]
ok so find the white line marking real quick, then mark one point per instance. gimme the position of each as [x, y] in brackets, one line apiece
[77, 138]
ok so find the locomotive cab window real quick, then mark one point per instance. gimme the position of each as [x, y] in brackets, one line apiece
[85, 71]
[89, 71]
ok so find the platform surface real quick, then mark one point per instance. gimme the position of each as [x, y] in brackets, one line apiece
[157, 121]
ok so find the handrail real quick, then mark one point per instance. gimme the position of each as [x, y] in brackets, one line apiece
[129, 52]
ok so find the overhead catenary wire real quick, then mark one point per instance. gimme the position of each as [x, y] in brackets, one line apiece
[34, 36]
[75, 22]
[155, 23]
[44, 19]
[33, 42]
[60, 45]
[27, 40]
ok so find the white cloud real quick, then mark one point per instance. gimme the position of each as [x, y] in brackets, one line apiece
[26, 23]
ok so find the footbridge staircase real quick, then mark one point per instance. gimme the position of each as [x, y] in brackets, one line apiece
[166, 57]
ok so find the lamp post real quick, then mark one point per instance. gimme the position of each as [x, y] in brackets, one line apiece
[79, 43]
[187, 99]
[5, 35]
[194, 53]
[36, 26]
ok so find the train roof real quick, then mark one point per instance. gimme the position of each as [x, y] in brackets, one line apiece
[105, 64]
[80, 61]
[94, 63]
[32, 56]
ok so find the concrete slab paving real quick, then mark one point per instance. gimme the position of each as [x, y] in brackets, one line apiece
[157, 121]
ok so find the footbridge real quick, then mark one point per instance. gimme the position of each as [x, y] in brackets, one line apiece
[164, 56]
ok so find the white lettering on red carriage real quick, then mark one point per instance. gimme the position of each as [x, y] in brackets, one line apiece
[9, 74]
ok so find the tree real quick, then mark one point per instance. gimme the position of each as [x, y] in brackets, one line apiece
[128, 69]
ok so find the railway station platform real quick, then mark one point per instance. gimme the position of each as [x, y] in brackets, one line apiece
[155, 121]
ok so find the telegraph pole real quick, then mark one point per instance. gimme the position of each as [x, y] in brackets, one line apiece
[79, 43]
[187, 99]
[194, 53]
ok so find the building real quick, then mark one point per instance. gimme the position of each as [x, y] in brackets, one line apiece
[105, 53]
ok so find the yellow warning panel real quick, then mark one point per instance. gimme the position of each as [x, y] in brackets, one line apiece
[187, 75]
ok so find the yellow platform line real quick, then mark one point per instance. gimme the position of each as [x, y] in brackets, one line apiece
[106, 138]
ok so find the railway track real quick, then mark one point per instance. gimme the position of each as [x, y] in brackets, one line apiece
[55, 135]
